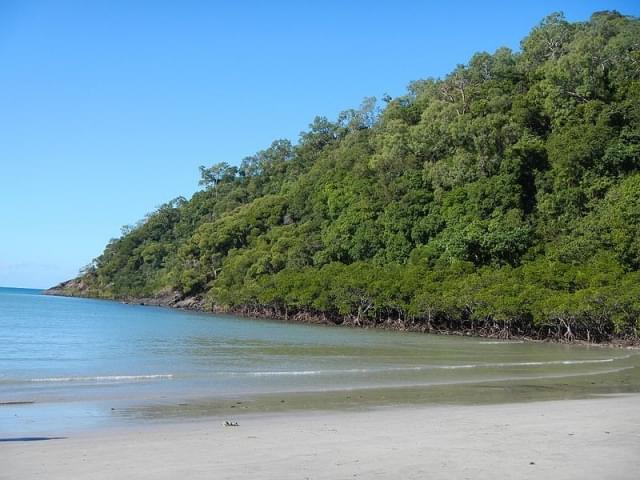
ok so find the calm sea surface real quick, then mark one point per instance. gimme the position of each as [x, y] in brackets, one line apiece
[67, 363]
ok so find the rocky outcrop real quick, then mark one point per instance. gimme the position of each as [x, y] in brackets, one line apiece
[75, 287]
[171, 298]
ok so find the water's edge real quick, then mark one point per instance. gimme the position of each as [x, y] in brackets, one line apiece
[114, 364]
[479, 330]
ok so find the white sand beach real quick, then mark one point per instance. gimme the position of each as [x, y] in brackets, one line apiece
[571, 439]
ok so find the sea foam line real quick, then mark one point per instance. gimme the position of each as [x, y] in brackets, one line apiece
[475, 381]
[430, 367]
[103, 378]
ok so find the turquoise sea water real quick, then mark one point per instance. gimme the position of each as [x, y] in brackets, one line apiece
[67, 362]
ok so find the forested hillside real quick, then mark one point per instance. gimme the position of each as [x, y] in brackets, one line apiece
[502, 199]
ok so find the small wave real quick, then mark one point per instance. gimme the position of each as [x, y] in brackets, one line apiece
[428, 367]
[530, 364]
[296, 372]
[104, 378]
[478, 381]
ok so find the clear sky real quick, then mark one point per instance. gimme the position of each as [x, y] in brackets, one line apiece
[107, 108]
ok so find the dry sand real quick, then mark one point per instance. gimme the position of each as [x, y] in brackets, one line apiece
[571, 439]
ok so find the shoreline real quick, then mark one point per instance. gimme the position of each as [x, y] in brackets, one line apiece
[197, 304]
[592, 438]
[26, 415]
[42, 417]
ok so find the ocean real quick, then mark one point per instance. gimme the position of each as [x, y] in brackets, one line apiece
[69, 363]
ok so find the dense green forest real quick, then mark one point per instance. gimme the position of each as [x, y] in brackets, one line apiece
[502, 199]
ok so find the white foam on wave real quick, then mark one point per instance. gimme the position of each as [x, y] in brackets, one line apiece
[484, 380]
[104, 378]
[535, 364]
[429, 367]
[498, 380]
[295, 373]
[292, 372]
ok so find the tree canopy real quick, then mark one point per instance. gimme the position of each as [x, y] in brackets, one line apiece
[504, 196]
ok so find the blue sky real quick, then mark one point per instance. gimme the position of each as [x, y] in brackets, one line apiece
[108, 108]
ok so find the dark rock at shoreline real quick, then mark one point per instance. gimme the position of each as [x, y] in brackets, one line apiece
[75, 287]
[172, 299]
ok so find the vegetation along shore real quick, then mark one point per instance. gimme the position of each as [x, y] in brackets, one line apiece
[502, 200]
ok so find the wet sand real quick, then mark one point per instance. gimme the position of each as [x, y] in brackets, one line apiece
[593, 438]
